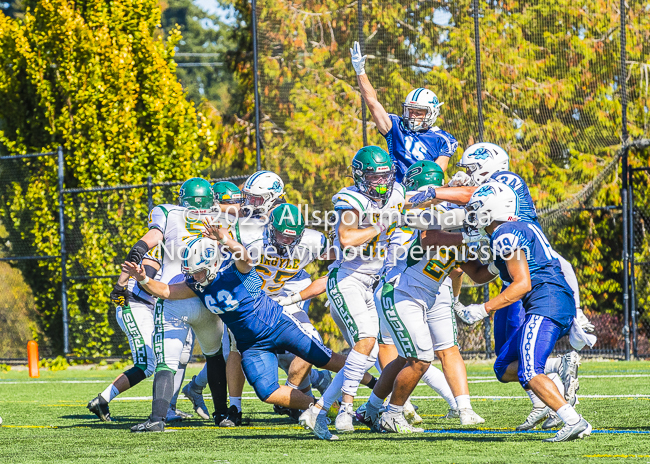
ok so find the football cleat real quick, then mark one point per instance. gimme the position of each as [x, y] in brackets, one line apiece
[172, 416]
[568, 372]
[343, 421]
[368, 416]
[195, 395]
[410, 414]
[554, 420]
[183, 414]
[219, 416]
[396, 423]
[452, 414]
[580, 429]
[149, 426]
[233, 419]
[294, 414]
[469, 417]
[100, 408]
[312, 419]
[536, 416]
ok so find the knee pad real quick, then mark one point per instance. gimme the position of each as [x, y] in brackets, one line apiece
[186, 355]
[136, 375]
[372, 357]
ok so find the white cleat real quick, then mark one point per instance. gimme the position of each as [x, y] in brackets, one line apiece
[317, 423]
[410, 414]
[452, 414]
[536, 416]
[396, 423]
[580, 429]
[568, 372]
[195, 395]
[469, 417]
[553, 421]
[343, 421]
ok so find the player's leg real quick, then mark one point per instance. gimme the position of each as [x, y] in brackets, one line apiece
[175, 414]
[235, 379]
[441, 321]
[136, 321]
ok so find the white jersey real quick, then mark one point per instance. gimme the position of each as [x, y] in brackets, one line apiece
[283, 275]
[178, 226]
[369, 257]
[137, 292]
[426, 268]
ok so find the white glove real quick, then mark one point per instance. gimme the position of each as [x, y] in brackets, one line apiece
[470, 314]
[583, 321]
[291, 299]
[460, 179]
[358, 61]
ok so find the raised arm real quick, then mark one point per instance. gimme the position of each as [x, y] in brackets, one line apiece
[379, 114]
[242, 258]
[146, 243]
[178, 291]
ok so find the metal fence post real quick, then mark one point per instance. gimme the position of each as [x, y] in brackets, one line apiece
[64, 289]
[149, 193]
[625, 178]
[631, 251]
[258, 137]
[362, 45]
[487, 328]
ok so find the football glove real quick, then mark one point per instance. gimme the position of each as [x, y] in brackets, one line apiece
[470, 314]
[120, 295]
[422, 197]
[358, 60]
[291, 299]
[460, 179]
[584, 322]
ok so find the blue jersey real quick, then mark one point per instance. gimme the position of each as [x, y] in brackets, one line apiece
[238, 299]
[406, 147]
[545, 268]
[526, 208]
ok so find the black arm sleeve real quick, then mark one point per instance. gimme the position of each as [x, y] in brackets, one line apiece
[137, 252]
[150, 271]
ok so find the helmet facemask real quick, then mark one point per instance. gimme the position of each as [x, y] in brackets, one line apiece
[419, 123]
[376, 185]
[284, 242]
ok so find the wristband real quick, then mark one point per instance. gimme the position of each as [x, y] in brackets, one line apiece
[144, 281]
[222, 241]
[296, 298]
[378, 228]
[493, 269]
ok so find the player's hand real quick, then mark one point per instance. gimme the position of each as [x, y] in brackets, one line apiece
[461, 179]
[215, 231]
[291, 299]
[120, 295]
[134, 270]
[358, 61]
[422, 197]
[583, 321]
[470, 314]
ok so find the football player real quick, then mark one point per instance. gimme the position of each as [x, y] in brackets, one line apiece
[415, 302]
[178, 225]
[413, 136]
[364, 214]
[224, 278]
[485, 162]
[524, 258]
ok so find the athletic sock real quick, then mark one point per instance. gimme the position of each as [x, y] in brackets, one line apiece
[163, 390]
[333, 391]
[394, 409]
[463, 402]
[552, 365]
[178, 384]
[201, 379]
[436, 380]
[375, 401]
[353, 370]
[537, 403]
[217, 381]
[558, 383]
[236, 401]
[110, 393]
[568, 414]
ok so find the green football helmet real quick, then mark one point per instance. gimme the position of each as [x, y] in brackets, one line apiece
[227, 193]
[424, 174]
[286, 227]
[196, 194]
[373, 173]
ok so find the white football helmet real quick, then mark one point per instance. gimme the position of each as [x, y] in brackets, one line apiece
[421, 99]
[493, 201]
[261, 191]
[202, 260]
[482, 160]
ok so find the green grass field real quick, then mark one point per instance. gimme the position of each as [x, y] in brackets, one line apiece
[45, 420]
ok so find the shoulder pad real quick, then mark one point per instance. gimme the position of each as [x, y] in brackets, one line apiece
[158, 216]
[314, 241]
[350, 196]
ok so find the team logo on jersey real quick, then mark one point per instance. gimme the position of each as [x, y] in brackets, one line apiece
[485, 191]
[481, 154]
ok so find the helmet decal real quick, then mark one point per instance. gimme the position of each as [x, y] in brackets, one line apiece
[276, 187]
[485, 191]
[481, 154]
[206, 256]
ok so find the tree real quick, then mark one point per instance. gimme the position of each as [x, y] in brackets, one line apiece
[98, 79]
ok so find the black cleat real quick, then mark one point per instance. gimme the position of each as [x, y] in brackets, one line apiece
[294, 414]
[99, 407]
[233, 419]
[219, 417]
[149, 426]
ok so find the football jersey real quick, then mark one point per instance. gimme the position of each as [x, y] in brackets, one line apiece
[239, 301]
[369, 257]
[543, 263]
[525, 207]
[136, 290]
[407, 147]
